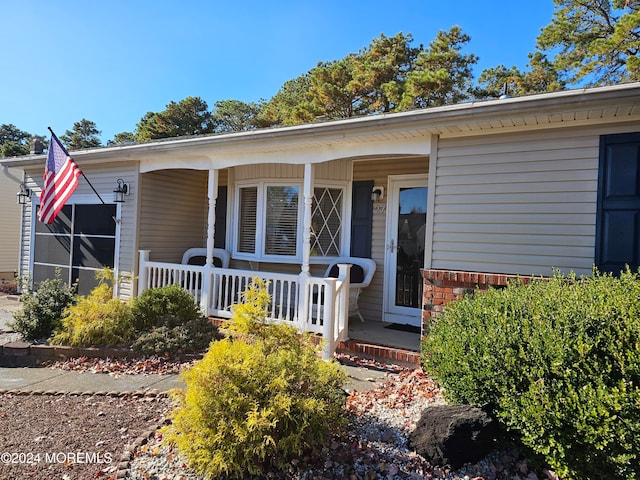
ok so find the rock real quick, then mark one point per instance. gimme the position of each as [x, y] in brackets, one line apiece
[453, 434]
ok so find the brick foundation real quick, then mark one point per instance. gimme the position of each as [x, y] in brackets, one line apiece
[444, 286]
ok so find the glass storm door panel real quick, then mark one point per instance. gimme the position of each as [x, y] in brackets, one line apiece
[407, 217]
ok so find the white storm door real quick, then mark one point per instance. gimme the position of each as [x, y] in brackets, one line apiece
[404, 249]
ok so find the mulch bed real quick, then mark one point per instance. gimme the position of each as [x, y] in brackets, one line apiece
[69, 437]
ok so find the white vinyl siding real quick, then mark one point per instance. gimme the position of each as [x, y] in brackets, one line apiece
[339, 170]
[173, 213]
[9, 226]
[519, 203]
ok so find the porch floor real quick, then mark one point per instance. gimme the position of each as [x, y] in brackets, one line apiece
[373, 340]
[377, 333]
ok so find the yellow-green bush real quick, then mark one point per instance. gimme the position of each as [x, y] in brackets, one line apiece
[559, 363]
[96, 320]
[257, 399]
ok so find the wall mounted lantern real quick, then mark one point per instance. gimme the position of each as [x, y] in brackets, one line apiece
[377, 194]
[23, 195]
[121, 190]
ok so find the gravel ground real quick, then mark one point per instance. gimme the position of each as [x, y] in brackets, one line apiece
[374, 447]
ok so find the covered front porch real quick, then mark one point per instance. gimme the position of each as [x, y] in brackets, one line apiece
[284, 218]
[316, 304]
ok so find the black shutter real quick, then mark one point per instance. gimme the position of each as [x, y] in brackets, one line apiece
[618, 217]
[221, 218]
[361, 218]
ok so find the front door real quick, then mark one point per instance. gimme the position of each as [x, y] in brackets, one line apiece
[404, 249]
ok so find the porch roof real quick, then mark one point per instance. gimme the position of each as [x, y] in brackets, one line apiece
[403, 133]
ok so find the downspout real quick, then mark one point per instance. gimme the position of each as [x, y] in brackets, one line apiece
[6, 172]
[19, 181]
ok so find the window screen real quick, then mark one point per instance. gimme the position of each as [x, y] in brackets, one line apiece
[80, 241]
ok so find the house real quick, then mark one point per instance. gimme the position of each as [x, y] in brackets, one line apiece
[9, 227]
[442, 199]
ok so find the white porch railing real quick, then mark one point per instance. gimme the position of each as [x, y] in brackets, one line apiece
[310, 304]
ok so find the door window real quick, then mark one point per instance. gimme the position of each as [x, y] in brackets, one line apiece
[412, 219]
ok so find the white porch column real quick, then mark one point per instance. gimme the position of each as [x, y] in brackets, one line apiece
[142, 270]
[212, 194]
[307, 195]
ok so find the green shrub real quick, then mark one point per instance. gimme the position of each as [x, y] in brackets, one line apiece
[96, 320]
[42, 310]
[257, 399]
[165, 306]
[193, 336]
[559, 363]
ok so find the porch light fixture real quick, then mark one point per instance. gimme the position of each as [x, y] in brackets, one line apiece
[23, 195]
[377, 194]
[121, 190]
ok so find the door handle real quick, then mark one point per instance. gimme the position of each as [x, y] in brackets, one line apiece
[392, 246]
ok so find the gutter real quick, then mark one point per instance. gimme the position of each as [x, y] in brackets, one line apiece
[433, 117]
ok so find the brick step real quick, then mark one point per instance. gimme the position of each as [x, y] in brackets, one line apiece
[380, 352]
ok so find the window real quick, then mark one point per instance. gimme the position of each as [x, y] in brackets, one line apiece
[247, 219]
[80, 241]
[326, 222]
[281, 220]
[269, 225]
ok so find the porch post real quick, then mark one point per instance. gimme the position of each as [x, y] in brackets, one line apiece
[211, 215]
[307, 194]
[142, 270]
[212, 194]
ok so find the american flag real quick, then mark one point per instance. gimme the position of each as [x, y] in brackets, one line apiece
[60, 181]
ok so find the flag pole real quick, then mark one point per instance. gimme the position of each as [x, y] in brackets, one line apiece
[67, 154]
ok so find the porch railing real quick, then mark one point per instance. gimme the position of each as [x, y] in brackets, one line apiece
[310, 304]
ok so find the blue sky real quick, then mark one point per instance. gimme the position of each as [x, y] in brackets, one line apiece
[113, 61]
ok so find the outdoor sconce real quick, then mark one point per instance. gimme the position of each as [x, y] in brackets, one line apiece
[377, 194]
[23, 195]
[121, 190]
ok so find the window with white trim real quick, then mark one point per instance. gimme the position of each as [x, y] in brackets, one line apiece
[326, 221]
[270, 221]
[247, 218]
[281, 220]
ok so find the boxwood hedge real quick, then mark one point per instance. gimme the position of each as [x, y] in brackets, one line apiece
[558, 361]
